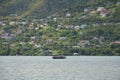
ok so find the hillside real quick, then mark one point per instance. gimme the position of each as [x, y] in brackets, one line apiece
[36, 7]
[50, 27]
[46, 7]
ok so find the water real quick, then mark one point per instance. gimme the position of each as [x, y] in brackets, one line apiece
[71, 68]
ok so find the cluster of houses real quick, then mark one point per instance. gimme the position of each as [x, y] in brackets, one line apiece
[103, 11]
[37, 23]
[6, 35]
[83, 26]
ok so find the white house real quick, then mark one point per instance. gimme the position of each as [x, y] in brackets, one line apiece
[77, 27]
[75, 54]
[12, 23]
[2, 23]
[118, 3]
[68, 14]
[70, 26]
[33, 38]
[100, 8]
[83, 26]
[62, 38]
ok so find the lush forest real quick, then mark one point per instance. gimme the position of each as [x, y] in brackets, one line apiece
[46, 7]
[67, 27]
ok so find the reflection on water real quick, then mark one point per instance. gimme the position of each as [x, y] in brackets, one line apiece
[72, 68]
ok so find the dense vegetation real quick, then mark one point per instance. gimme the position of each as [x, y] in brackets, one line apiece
[52, 27]
[47, 7]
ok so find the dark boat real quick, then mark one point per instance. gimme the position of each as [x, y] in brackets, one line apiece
[59, 57]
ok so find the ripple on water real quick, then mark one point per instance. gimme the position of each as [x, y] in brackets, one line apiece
[72, 68]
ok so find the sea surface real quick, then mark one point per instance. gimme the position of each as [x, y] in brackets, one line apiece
[71, 68]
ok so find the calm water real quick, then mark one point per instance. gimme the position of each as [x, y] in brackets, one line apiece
[72, 68]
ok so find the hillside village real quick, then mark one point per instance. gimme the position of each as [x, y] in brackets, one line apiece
[93, 31]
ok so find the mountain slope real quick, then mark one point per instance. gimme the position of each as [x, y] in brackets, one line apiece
[40, 7]
[84, 31]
